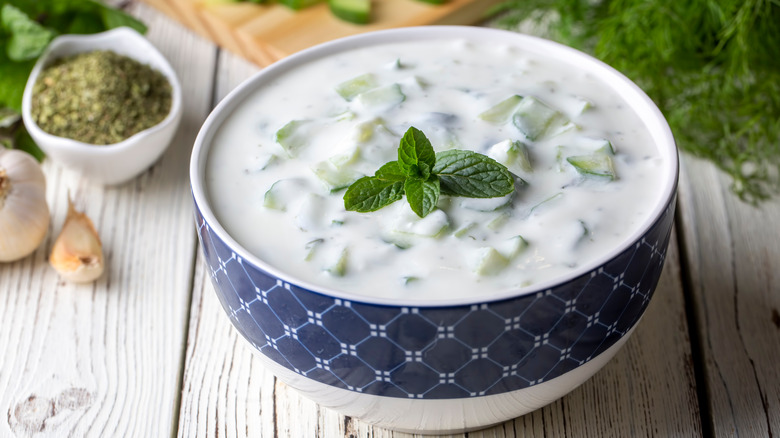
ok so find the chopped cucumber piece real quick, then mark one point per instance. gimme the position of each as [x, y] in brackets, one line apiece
[399, 240]
[282, 193]
[463, 231]
[353, 11]
[560, 126]
[489, 262]
[365, 131]
[373, 137]
[599, 145]
[351, 88]
[607, 148]
[431, 225]
[311, 248]
[335, 178]
[500, 112]
[339, 161]
[534, 118]
[409, 279]
[309, 215]
[344, 116]
[498, 221]
[396, 64]
[585, 232]
[415, 82]
[338, 263]
[513, 247]
[292, 136]
[512, 154]
[299, 4]
[260, 162]
[546, 202]
[598, 164]
[581, 105]
[486, 204]
[383, 97]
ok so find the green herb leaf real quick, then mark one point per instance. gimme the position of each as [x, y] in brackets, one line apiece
[371, 193]
[717, 82]
[13, 77]
[113, 18]
[422, 195]
[423, 175]
[415, 150]
[391, 172]
[473, 175]
[27, 39]
[27, 26]
[24, 142]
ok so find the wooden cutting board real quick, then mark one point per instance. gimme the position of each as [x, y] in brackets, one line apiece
[266, 33]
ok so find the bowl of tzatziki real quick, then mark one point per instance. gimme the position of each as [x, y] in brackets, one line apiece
[435, 229]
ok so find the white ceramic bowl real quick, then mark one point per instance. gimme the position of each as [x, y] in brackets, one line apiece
[119, 162]
[439, 367]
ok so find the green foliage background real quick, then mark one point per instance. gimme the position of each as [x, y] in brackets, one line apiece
[712, 67]
[26, 28]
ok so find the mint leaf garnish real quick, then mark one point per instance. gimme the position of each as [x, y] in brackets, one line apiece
[423, 175]
[415, 152]
[371, 193]
[473, 175]
[422, 195]
[391, 171]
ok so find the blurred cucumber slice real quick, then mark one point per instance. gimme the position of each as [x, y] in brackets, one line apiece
[534, 118]
[386, 96]
[299, 4]
[500, 112]
[490, 262]
[351, 88]
[291, 137]
[353, 11]
[599, 165]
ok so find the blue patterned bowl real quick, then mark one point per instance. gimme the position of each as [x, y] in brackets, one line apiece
[439, 367]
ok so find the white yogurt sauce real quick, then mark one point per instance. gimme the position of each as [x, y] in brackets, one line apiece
[565, 218]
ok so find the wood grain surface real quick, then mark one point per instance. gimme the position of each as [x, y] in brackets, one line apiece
[104, 359]
[266, 33]
[733, 260]
[147, 351]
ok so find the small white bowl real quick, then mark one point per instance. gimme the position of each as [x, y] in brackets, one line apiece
[119, 162]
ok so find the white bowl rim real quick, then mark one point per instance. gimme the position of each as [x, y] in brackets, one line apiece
[664, 137]
[86, 41]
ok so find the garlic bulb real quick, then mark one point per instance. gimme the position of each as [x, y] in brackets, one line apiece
[24, 215]
[77, 254]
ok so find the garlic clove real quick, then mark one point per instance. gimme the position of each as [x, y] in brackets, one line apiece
[77, 254]
[24, 215]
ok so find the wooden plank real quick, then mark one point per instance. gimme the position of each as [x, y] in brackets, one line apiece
[224, 392]
[104, 359]
[732, 251]
[647, 390]
[266, 33]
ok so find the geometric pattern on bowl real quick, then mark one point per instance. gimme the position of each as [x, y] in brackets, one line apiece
[438, 352]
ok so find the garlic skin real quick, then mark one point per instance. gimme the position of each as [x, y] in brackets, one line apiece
[77, 254]
[24, 214]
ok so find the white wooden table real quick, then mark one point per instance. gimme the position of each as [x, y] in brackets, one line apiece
[147, 351]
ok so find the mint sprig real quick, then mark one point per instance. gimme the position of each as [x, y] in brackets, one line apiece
[423, 175]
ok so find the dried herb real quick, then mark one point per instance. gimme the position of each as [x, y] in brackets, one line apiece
[99, 97]
[712, 67]
[26, 27]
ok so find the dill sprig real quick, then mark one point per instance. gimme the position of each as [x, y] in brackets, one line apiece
[712, 67]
